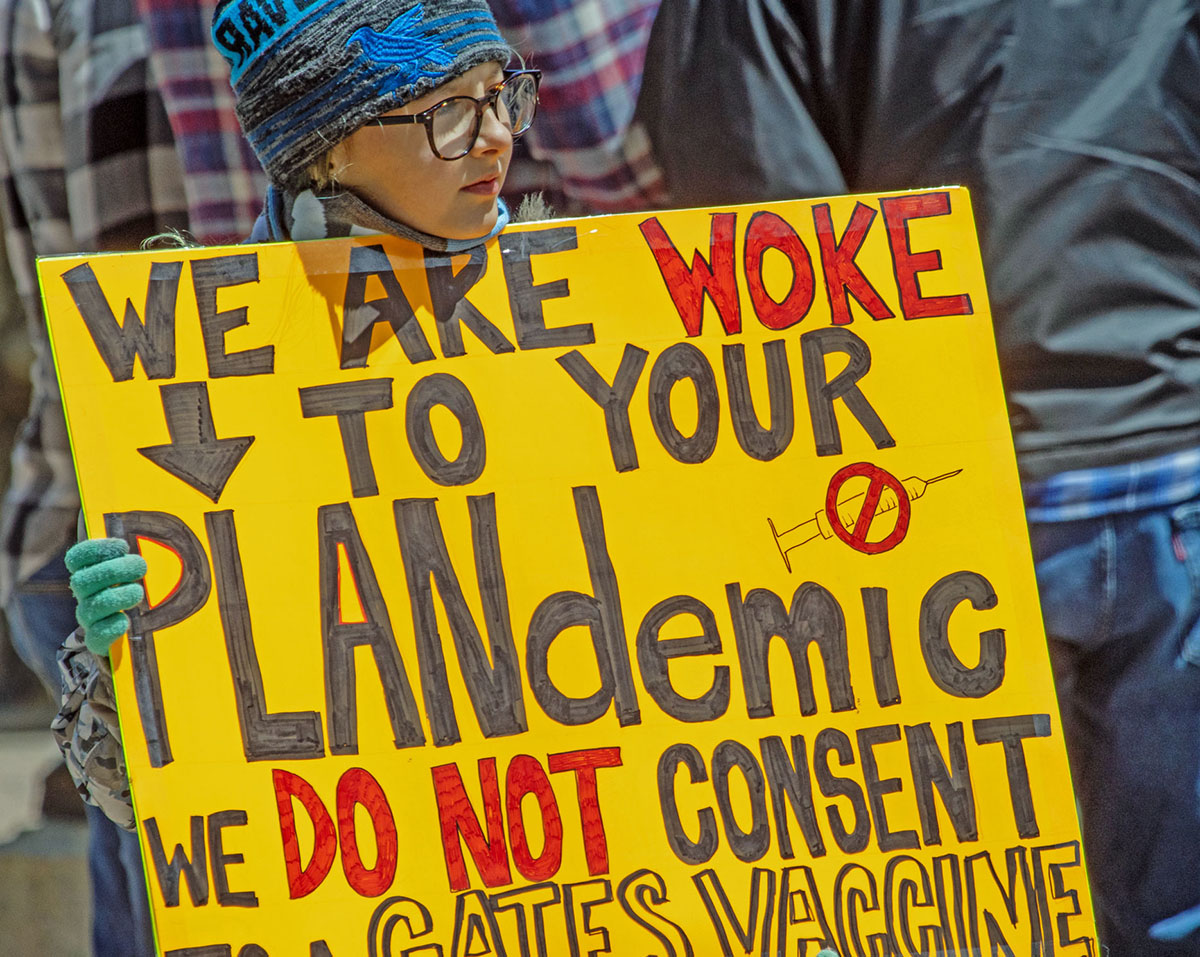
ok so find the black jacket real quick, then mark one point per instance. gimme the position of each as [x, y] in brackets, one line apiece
[1076, 126]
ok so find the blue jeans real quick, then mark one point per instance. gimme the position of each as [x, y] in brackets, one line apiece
[41, 613]
[1121, 601]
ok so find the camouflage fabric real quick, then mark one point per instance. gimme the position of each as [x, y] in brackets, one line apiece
[88, 733]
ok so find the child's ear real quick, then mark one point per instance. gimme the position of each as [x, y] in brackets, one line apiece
[338, 159]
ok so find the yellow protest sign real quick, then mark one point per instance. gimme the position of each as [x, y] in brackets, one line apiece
[647, 585]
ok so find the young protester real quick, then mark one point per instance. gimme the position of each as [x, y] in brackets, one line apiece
[369, 116]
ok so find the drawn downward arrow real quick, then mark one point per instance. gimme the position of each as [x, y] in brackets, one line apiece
[195, 454]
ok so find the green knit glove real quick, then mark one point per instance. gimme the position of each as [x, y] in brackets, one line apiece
[105, 582]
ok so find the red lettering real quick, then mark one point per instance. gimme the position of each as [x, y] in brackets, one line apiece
[843, 278]
[526, 776]
[897, 211]
[356, 787]
[457, 819]
[303, 880]
[153, 601]
[688, 287]
[768, 230]
[584, 764]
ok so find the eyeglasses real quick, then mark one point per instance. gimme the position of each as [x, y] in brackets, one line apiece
[453, 125]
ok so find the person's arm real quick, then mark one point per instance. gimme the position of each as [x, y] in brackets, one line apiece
[88, 733]
[105, 580]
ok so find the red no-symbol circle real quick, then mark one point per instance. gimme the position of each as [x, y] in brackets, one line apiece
[856, 537]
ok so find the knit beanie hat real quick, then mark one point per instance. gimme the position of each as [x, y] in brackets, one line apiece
[308, 73]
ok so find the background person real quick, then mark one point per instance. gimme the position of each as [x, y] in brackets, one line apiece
[1077, 129]
[592, 54]
[223, 182]
[87, 162]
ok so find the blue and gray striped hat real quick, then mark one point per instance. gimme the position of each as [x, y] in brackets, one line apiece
[308, 73]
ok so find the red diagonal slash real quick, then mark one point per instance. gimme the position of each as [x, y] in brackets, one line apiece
[856, 537]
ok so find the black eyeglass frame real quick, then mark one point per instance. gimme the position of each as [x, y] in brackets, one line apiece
[490, 98]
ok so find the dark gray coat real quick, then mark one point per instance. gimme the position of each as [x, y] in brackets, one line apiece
[1076, 126]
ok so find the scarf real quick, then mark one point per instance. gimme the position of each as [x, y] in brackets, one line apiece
[310, 215]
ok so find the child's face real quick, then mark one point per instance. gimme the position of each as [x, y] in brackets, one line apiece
[393, 169]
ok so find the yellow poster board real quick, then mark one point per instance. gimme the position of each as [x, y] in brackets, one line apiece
[641, 585]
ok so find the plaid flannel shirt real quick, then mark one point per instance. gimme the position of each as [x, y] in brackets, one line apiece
[87, 163]
[592, 54]
[116, 123]
[1132, 487]
[222, 177]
